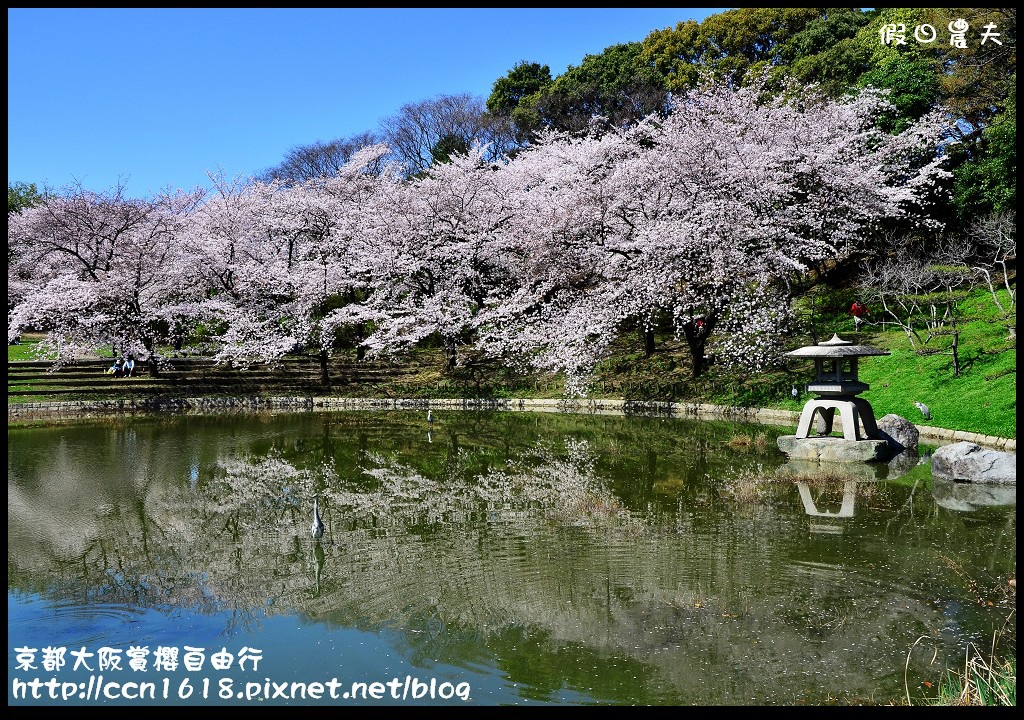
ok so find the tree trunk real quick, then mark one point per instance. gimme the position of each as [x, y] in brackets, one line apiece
[648, 336]
[151, 363]
[696, 339]
[955, 352]
[698, 359]
[325, 378]
[450, 354]
[360, 336]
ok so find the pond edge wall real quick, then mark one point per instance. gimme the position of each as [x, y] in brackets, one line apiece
[73, 409]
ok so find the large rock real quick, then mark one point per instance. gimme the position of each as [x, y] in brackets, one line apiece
[900, 432]
[970, 462]
[834, 449]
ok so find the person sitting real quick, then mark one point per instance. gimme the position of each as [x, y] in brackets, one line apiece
[114, 369]
[129, 366]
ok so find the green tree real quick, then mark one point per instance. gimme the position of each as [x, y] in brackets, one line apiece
[986, 182]
[447, 146]
[826, 51]
[976, 80]
[21, 195]
[735, 42]
[746, 39]
[913, 86]
[675, 54]
[514, 98]
[616, 85]
[523, 80]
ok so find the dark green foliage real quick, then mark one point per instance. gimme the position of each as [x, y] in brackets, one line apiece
[914, 90]
[835, 69]
[735, 43]
[448, 146]
[616, 85]
[824, 33]
[976, 80]
[525, 79]
[987, 181]
[21, 195]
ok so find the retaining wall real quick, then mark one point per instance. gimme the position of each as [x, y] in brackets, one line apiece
[70, 409]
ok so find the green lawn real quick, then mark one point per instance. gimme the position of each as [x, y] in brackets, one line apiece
[26, 350]
[982, 398]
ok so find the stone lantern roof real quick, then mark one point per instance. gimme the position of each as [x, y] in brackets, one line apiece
[836, 347]
[835, 363]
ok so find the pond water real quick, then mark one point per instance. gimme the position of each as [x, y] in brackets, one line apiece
[489, 558]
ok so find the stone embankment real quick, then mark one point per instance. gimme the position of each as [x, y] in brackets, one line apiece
[205, 405]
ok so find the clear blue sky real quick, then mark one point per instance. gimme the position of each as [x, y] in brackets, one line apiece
[156, 98]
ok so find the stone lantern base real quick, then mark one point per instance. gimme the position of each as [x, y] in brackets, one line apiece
[857, 416]
[861, 441]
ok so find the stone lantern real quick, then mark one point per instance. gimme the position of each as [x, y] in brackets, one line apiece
[836, 385]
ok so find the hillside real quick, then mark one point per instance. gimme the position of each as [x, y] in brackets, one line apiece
[981, 399]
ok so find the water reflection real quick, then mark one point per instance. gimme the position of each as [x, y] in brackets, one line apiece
[544, 559]
[319, 558]
[966, 497]
[811, 504]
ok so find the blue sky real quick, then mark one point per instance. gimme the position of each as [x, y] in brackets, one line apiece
[156, 98]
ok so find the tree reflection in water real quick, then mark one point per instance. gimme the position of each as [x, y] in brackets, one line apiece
[601, 554]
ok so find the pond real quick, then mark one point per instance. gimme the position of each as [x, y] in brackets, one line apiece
[488, 558]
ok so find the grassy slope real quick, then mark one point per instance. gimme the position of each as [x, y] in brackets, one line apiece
[983, 398]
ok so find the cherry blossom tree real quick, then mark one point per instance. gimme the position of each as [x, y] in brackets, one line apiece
[704, 216]
[96, 268]
[273, 258]
[701, 220]
[756, 190]
[430, 258]
[571, 284]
